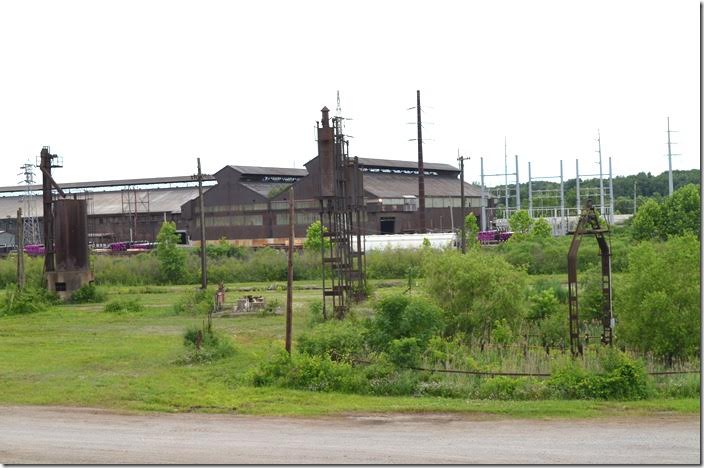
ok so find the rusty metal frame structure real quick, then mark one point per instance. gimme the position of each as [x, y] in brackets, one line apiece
[589, 224]
[46, 163]
[341, 215]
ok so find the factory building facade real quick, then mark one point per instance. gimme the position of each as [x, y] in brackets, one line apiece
[249, 205]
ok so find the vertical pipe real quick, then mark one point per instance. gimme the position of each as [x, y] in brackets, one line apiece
[203, 253]
[518, 187]
[289, 284]
[483, 196]
[421, 171]
[20, 250]
[611, 195]
[562, 201]
[530, 193]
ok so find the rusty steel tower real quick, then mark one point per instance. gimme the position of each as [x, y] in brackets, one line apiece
[342, 213]
[589, 224]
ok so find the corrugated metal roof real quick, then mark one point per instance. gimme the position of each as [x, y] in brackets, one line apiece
[110, 203]
[275, 171]
[111, 183]
[373, 162]
[398, 185]
[265, 188]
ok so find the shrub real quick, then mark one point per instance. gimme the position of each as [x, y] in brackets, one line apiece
[475, 290]
[88, 294]
[124, 305]
[338, 340]
[623, 379]
[400, 316]
[660, 308]
[172, 260]
[212, 346]
[196, 302]
[404, 352]
[27, 301]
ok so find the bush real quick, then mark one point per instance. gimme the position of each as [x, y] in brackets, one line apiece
[212, 346]
[27, 301]
[623, 379]
[392, 263]
[196, 302]
[660, 308]
[172, 259]
[88, 294]
[476, 290]
[123, 305]
[400, 316]
[306, 372]
[338, 340]
[405, 352]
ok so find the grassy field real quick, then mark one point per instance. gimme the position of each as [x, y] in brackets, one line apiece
[79, 355]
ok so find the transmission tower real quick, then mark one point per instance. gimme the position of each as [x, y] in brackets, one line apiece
[669, 156]
[30, 222]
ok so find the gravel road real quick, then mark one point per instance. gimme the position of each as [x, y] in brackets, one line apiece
[60, 435]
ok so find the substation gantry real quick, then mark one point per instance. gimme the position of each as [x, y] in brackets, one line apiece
[589, 224]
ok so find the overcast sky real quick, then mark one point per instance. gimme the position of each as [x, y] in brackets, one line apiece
[140, 89]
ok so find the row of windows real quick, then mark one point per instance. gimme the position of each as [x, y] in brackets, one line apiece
[235, 220]
[280, 205]
[230, 208]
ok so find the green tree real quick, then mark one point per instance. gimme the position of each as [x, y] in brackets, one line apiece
[520, 223]
[471, 227]
[541, 229]
[172, 259]
[475, 291]
[681, 213]
[659, 309]
[676, 215]
[314, 237]
[646, 223]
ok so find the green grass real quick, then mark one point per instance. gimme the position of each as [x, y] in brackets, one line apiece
[79, 355]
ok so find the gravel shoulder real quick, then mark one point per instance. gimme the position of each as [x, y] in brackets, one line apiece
[65, 435]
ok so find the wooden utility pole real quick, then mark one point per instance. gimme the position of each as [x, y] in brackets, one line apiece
[203, 253]
[289, 288]
[463, 241]
[421, 171]
[20, 250]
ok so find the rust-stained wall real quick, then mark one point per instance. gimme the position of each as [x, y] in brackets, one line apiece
[71, 235]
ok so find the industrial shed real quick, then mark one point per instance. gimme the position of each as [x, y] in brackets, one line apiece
[117, 209]
[250, 204]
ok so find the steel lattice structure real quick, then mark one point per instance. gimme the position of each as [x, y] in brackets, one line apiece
[342, 214]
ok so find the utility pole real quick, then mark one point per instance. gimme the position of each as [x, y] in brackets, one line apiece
[601, 176]
[505, 181]
[289, 288]
[20, 250]
[483, 197]
[203, 253]
[463, 241]
[421, 171]
[611, 194]
[635, 202]
[518, 187]
[671, 185]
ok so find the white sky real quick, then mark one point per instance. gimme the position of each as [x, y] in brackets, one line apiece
[140, 89]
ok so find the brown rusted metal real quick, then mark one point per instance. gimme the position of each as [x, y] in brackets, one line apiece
[589, 224]
[341, 213]
[71, 235]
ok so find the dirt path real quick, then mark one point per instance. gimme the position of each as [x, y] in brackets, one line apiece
[60, 435]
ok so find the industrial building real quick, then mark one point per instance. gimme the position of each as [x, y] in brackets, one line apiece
[249, 204]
